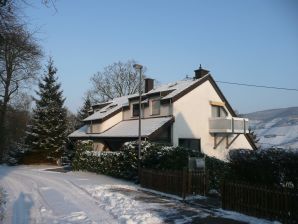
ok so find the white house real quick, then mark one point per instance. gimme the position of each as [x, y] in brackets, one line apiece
[193, 113]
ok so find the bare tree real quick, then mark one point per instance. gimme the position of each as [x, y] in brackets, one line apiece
[117, 79]
[19, 60]
[19, 63]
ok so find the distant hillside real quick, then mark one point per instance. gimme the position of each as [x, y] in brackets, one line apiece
[277, 127]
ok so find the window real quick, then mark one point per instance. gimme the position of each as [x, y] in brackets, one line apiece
[155, 107]
[191, 143]
[219, 111]
[135, 110]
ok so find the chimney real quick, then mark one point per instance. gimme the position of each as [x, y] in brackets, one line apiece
[199, 73]
[149, 84]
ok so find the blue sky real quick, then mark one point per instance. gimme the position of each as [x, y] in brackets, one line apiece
[253, 42]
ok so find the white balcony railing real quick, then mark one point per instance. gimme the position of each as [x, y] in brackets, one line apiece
[233, 125]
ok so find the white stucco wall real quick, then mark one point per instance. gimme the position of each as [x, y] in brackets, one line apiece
[103, 126]
[192, 113]
[96, 127]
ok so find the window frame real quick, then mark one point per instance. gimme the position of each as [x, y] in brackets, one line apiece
[155, 100]
[132, 109]
[193, 139]
[220, 110]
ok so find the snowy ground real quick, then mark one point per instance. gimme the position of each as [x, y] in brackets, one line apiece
[35, 195]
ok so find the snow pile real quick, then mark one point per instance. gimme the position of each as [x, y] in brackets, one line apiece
[242, 217]
[123, 208]
[113, 199]
[77, 218]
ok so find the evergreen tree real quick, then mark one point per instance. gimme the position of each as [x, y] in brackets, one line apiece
[254, 137]
[49, 124]
[84, 110]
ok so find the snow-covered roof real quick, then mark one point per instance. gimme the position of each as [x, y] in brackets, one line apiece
[171, 90]
[175, 87]
[114, 105]
[81, 132]
[126, 129]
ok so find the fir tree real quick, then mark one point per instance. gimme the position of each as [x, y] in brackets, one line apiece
[254, 137]
[84, 110]
[49, 124]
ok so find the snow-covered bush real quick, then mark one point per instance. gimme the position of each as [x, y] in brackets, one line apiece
[14, 154]
[111, 163]
[278, 167]
[124, 163]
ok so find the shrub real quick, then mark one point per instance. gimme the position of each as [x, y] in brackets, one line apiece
[2, 203]
[124, 163]
[218, 171]
[278, 167]
[118, 164]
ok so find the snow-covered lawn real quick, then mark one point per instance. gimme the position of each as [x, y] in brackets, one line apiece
[35, 195]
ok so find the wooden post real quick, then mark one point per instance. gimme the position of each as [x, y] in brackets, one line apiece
[140, 176]
[189, 182]
[184, 180]
[205, 182]
[223, 195]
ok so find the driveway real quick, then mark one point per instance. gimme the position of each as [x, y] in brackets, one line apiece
[41, 194]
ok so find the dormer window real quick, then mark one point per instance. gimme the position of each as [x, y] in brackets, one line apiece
[135, 110]
[155, 107]
[219, 111]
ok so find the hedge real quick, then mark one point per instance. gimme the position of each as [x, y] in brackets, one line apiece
[218, 171]
[124, 163]
[272, 167]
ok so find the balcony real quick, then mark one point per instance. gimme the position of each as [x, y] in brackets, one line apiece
[229, 125]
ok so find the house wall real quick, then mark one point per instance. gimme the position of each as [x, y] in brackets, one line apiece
[96, 127]
[165, 110]
[126, 114]
[103, 126]
[192, 113]
[99, 146]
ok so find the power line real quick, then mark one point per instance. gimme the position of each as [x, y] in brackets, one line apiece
[258, 86]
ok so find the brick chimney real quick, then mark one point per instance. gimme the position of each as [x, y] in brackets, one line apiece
[149, 84]
[199, 73]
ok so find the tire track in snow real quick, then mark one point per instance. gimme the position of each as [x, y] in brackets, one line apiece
[74, 206]
[20, 205]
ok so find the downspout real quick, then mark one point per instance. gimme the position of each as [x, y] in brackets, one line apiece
[172, 125]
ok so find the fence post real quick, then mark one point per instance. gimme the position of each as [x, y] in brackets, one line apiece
[184, 180]
[140, 178]
[223, 195]
[206, 182]
[189, 182]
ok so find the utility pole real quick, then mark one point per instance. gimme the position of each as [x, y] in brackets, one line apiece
[138, 68]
